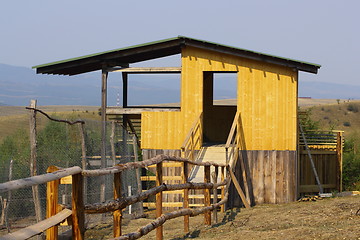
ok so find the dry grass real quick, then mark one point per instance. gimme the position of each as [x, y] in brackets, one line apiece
[343, 116]
[332, 218]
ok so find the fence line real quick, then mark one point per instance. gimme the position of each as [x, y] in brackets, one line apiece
[119, 203]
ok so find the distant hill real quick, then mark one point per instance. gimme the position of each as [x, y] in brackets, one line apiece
[20, 84]
[343, 115]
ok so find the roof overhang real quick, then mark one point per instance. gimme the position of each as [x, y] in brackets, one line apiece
[124, 56]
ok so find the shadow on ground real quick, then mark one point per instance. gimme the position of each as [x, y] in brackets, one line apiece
[228, 217]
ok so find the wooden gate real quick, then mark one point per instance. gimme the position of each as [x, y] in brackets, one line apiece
[326, 151]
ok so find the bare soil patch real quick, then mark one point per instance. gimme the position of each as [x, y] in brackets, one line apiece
[333, 218]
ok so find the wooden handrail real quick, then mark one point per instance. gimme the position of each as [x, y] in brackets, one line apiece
[232, 130]
[143, 164]
[39, 179]
[192, 130]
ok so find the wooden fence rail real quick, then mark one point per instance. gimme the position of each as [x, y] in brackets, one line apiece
[55, 214]
[40, 179]
[58, 217]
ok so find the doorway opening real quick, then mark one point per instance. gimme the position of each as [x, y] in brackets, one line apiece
[219, 105]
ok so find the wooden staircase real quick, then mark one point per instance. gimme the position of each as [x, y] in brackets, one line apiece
[216, 154]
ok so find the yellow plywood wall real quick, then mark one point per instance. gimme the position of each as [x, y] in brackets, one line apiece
[267, 100]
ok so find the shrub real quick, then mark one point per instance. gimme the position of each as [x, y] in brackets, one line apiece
[352, 108]
[347, 124]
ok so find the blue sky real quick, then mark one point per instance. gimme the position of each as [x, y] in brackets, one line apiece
[323, 32]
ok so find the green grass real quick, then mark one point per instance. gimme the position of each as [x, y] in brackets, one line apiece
[9, 123]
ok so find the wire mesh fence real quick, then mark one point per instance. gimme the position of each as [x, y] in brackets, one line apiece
[64, 145]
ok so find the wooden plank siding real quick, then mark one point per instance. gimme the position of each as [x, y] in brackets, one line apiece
[272, 177]
[266, 99]
[326, 164]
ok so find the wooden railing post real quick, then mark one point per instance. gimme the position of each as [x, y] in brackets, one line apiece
[77, 203]
[222, 208]
[215, 198]
[159, 181]
[339, 151]
[186, 196]
[207, 214]
[52, 194]
[117, 213]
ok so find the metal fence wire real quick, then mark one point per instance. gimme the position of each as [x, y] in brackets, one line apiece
[60, 144]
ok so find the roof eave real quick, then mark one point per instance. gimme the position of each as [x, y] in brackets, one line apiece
[301, 66]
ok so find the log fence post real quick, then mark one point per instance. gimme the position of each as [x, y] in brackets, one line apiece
[77, 203]
[33, 160]
[117, 214]
[186, 196]
[52, 195]
[215, 198]
[207, 214]
[222, 208]
[159, 181]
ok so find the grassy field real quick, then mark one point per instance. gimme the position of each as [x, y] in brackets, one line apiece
[13, 119]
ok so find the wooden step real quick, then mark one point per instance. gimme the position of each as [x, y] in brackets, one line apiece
[207, 154]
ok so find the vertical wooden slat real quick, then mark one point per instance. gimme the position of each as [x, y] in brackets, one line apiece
[279, 178]
[267, 177]
[222, 208]
[186, 196]
[207, 214]
[52, 191]
[78, 216]
[159, 181]
[273, 167]
[117, 213]
[260, 158]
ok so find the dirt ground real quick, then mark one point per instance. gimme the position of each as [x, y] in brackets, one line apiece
[331, 218]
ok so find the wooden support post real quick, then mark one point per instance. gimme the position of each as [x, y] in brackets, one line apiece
[186, 196]
[207, 214]
[104, 76]
[117, 213]
[33, 161]
[339, 151]
[77, 204]
[7, 203]
[125, 89]
[222, 208]
[112, 142]
[238, 188]
[52, 191]
[159, 181]
[215, 199]
[138, 173]
[83, 156]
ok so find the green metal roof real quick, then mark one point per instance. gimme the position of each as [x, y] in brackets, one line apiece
[157, 49]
